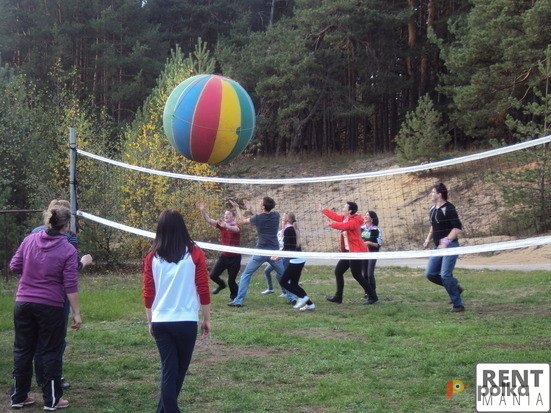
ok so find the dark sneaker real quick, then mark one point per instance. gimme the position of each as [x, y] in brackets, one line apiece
[460, 292]
[234, 304]
[335, 299]
[371, 301]
[457, 309]
[22, 404]
[218, 289]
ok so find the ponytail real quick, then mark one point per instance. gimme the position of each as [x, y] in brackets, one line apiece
[57, 217]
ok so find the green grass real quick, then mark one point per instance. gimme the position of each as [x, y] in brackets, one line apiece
[394, 356]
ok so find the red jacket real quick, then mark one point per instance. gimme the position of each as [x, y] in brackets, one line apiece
[352, 226]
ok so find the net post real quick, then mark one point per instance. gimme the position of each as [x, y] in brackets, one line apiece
[72, 166]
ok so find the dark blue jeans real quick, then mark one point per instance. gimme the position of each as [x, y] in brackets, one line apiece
[175, 341]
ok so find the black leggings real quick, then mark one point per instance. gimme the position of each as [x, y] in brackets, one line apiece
[369, 275]
[233, 265]
[356, 269]
[290, 280]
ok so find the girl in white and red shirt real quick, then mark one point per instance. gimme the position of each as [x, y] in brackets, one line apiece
[175, 286]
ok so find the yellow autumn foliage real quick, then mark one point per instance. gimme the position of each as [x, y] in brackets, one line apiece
[144, 196]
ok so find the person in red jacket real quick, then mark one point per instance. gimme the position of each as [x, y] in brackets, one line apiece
[175, 286]
[349, 223]
[230, 233]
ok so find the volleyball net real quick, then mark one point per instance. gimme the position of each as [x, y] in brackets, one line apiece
[502, 197]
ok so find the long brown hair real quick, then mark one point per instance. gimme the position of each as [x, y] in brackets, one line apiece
[172, 239]
[291, 219]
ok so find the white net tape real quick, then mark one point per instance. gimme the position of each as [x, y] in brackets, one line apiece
[333, 178]
[387, 255]
[398, 204]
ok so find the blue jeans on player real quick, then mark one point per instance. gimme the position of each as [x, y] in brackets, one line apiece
[254, 263]
[440, 271]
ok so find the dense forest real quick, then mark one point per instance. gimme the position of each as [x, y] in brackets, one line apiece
[325, 76]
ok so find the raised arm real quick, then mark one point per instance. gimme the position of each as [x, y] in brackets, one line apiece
[239, 213]
[248, 206]
[201, 206]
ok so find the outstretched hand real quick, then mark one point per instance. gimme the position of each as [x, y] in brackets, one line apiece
[201, 205]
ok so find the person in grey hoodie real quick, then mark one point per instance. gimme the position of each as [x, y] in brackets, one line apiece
[48, 265]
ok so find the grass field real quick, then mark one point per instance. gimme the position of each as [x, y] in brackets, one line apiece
[394, 356]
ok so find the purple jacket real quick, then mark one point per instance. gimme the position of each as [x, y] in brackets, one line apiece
[48, 264]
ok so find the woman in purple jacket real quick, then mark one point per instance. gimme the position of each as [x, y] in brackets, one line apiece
[49, 265]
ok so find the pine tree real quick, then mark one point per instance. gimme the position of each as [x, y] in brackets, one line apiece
[422, 138]
[526, 190]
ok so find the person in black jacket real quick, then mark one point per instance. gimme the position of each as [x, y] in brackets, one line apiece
[444, 231]
[373, 238]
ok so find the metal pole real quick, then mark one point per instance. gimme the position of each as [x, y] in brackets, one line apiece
[72, 166]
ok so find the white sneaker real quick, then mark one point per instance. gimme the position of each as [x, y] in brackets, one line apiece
[282, 295]
[308, 307]
[268, 291]
[301, 301]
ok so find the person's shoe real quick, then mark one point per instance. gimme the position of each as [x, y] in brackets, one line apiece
[371, 301]
[61, 404]
[301, 301]
[460, 292]
[27, 402]
[234, 304]
[335, 299]
[65, 385]
[282, 295]
[457, 309]
[268, 291]
[308, 307]
[218, 289]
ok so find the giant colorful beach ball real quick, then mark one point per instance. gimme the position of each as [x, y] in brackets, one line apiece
[209, 119]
